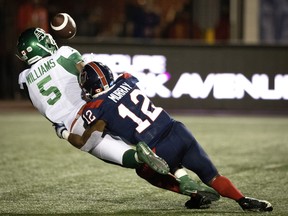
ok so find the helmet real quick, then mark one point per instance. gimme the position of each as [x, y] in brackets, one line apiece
[34, 44]
[95, 78]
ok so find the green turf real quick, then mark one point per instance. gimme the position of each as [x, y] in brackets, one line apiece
[41, 174]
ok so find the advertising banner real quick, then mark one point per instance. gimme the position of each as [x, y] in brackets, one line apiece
[182, 77]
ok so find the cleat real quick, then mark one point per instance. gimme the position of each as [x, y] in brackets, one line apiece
[146, 155]
[198, 201]
[251, 204]
[189, 187]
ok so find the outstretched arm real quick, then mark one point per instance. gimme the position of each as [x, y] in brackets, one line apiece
[80, 141]
[80, 65]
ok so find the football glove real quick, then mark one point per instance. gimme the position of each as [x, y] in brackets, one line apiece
[61, 130]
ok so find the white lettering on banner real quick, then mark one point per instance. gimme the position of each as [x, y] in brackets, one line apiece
[152, 73]
[231, 86]
[192, 84]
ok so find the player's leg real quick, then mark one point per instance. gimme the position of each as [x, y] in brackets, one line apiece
[195, 159]
[146, 155]
[180, 147]
[198, 161]
[227, 189]
[169, 182]
[173, 148]
[189, 186]
[112, 149]
[115, 150]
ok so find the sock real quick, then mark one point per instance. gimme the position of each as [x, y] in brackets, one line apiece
[137, 158]
[226, 188]
[129, 160]
[180, 173]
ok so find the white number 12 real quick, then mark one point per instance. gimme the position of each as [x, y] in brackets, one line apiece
[152, 115]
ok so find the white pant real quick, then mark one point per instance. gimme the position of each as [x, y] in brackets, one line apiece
[109, 149]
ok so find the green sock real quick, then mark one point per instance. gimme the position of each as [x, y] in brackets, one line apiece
[185, 178]
[128, 159]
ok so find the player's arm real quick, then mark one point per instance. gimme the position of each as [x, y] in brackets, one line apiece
[23, 85]
[74, 57]
[91, 136]
[26, 92]
[80, 65]
[92, 133]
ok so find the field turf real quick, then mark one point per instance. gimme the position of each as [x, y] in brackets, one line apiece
[43, 175]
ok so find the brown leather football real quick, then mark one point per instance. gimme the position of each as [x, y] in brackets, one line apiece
[63, 26]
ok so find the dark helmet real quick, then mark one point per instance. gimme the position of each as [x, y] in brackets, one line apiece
[95, 78]
[34, 44]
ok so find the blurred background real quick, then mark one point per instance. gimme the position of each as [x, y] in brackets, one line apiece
[192, 54]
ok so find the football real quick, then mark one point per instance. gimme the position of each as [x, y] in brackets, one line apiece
[63, 26]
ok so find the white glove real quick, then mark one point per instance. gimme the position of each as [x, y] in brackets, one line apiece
[61, 130]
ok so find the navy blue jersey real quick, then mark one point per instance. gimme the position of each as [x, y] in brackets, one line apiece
[132, 116]
[128, 112]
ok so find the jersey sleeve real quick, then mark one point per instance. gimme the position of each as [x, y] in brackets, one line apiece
[68, 58]
[23, 85]
[71, 54]
[91, 112]
[22, 79]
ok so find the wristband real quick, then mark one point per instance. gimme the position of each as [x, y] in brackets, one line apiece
[65, 134]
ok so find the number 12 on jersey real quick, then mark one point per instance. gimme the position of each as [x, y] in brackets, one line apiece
[151, 115]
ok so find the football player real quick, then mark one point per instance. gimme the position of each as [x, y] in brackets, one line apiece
[52, 86]
[51, 83]
[124, 110]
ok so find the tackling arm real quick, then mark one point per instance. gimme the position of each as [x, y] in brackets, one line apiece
[80, 65]
[94, 132]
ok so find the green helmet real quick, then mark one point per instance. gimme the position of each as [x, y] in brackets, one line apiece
[34, 44]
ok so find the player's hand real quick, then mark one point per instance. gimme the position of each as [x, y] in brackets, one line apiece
[61, 130]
